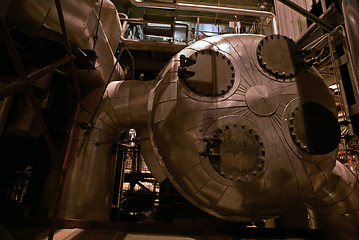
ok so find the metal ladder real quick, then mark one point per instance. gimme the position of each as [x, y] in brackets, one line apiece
[344, 76]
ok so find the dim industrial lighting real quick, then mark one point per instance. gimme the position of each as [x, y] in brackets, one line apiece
[334, 86]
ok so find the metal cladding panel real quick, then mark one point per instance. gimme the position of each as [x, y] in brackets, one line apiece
[291, 23]
[334, 208]
[89, 182]
[227, 140]
[82, 27]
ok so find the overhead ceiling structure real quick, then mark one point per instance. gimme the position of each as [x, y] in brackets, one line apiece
[126, 7]
[248, 4]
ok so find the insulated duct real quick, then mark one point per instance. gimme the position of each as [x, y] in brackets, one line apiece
[89, 180]
[335, 206]
[40, 19]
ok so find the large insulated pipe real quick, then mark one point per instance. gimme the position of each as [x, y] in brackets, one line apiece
[207, 8]
[90, 177]
[40, 18]
[83, 27]
[335, 207]
[254, 137]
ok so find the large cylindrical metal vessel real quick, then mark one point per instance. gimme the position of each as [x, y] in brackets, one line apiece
[244, 131]
[240, 124]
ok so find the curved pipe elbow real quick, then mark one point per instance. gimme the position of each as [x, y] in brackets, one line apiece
[89, 182]
[335, 207]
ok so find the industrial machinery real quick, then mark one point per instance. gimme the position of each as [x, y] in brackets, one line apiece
[241, 124]
[242, 127]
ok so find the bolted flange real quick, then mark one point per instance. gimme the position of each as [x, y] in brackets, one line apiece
[310, 132]
[207, 73]
[280, 56]
[236, 152]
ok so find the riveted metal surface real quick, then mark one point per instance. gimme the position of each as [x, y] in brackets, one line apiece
[201, 144]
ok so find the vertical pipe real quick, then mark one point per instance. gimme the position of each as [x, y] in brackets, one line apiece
[197, 33]
[64, 170]
[122, 178]
[138, 158]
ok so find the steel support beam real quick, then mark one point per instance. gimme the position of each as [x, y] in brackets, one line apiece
[19, 84]
[307, 14]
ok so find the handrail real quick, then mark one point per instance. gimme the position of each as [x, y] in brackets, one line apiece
[132, 59]
[123, 27]
[208, 8]
[137, 20]
[216, 18]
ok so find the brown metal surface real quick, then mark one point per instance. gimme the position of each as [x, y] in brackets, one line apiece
[89, 183]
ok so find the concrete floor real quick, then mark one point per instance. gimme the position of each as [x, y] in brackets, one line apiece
[186, 229]
[35, 233]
